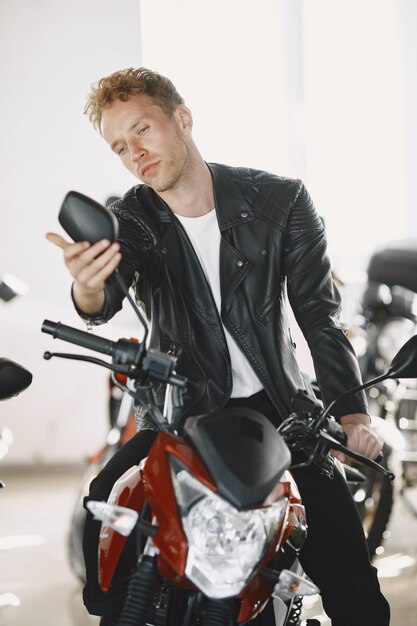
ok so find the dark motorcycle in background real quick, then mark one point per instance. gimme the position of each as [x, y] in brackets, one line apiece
[218, 517]
[14, 378]
[387, 318]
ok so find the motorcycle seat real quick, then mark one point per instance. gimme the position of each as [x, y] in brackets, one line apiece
[395, 264]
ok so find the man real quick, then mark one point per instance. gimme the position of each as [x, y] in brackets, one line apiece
[213, 251]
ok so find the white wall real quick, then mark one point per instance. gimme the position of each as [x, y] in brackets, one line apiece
[51, 51]
[359, 142]
[230, 62]
[356, 131]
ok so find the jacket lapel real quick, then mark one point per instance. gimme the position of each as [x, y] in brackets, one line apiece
[233, 210]
[176, 251]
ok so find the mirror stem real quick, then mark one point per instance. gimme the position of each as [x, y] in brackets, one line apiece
[125, 290]
[352, 392]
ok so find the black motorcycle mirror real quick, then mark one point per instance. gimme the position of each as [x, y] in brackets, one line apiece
[14, 378]
[403, 365]
[84, 219]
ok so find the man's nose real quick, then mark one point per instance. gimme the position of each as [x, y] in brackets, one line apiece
[137, 151]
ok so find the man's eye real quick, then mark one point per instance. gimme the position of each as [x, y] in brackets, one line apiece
[143, 130]
[121, 150]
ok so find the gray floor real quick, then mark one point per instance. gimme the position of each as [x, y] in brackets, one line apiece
[38, 588]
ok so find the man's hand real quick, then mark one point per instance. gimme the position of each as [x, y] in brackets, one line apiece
[90, 265]
[360, 437]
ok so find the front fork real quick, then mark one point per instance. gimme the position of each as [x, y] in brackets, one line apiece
[144, 587]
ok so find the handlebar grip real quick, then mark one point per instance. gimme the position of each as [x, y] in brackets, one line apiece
[79, 337]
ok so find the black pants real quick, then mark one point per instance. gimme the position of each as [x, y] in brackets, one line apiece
[334, 555]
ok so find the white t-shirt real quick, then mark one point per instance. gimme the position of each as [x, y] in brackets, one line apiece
[204, 234]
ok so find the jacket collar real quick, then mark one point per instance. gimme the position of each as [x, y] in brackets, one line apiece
[231, 205]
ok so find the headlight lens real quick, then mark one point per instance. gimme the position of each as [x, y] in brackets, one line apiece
[225, 544]
[393, 336]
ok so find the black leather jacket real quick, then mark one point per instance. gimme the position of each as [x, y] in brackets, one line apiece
[273, 244]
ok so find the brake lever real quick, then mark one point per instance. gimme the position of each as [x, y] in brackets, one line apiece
[336, 445]
[335, 430]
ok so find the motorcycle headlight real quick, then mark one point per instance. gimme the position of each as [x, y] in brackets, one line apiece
[224, 544]
[393, 336]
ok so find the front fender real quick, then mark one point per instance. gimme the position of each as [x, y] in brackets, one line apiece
[127, 491]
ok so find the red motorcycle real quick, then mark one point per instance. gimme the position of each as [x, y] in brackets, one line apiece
[219, 518]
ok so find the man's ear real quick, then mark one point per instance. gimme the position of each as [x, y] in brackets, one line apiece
[185, 118]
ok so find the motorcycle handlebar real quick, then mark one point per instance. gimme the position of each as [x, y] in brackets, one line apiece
[123, 351]
[79, 337]
[301, 432]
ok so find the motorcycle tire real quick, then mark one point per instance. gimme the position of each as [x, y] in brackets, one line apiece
[374, 500]
[76, 526]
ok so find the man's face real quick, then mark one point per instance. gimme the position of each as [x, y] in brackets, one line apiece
[150, 144]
